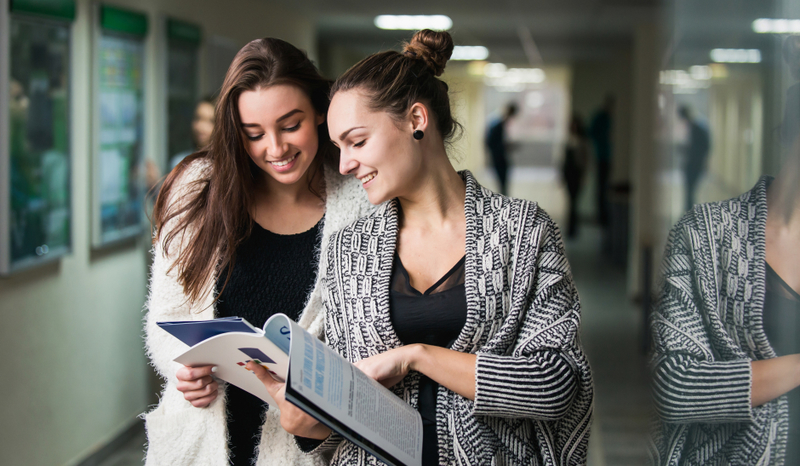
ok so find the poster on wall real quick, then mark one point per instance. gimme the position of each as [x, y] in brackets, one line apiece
[36, 191]
[119, 188]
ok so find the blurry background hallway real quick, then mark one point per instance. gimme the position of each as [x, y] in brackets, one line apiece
[72, 293]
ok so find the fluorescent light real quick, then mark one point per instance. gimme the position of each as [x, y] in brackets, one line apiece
[736, 55]
[414, 22]
[682, 81]
[525, 75]
[494, 70]
[514, 79]
[776, 26]
[701, 73]
[469, 52]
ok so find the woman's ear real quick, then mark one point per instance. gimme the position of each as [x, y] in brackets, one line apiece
[320, 118]
[418, 117]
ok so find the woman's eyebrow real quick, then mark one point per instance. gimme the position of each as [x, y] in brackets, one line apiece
[287, 115]
[344, 134]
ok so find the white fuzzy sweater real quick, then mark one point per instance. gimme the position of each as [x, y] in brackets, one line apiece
[177, 432]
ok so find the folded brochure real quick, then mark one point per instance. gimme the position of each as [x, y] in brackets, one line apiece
[321, 382]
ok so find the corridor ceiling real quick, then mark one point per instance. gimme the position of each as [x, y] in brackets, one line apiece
[561, 30]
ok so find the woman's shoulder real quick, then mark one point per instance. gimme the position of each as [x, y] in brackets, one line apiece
[187, 179]
[749, 206]
[488, 203]
[345, 199]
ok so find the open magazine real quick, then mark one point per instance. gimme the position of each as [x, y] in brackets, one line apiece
[318, 380]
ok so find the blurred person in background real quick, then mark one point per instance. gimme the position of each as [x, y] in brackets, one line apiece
[601, 133]
[726, 327]
[498, 145]
[576, 159]
[238, 230]
[696, 152]
[487, 351]
[202, 127]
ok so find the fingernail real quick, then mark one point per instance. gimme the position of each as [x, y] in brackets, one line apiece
[214, 369]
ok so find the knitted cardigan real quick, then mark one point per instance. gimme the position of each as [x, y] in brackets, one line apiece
[177, 432]
[706, 330]
[533, 400]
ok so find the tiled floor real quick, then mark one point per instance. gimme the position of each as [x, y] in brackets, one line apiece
[611, 335]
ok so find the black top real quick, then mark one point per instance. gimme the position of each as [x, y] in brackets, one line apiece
[434, 317]
[781, 319]
[272, 273]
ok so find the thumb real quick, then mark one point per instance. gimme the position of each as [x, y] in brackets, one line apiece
[264, 376]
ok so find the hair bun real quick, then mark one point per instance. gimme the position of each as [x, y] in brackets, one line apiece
[434, 47]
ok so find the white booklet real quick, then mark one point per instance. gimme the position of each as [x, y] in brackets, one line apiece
[318, 380]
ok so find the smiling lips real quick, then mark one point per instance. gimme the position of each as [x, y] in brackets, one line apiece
[284, 162]
[367, 178]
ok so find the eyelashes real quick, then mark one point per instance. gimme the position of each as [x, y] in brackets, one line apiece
[290, 129]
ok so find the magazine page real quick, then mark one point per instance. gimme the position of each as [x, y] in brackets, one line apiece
[339, 395]
[231, 351]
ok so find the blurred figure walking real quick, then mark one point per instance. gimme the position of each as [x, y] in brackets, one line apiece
[600, 131]
[202, 127]
[576, 159]
[696, 155]
[498, 147]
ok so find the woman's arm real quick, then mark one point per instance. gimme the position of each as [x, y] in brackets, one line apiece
[774, 377]
[451, 369]
[689, 383]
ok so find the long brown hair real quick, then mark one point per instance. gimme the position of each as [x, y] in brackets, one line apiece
[394, 81]
[217, 209]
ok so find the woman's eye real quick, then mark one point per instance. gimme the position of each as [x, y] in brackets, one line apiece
[293, 128]
[359, 144]
[254, 138]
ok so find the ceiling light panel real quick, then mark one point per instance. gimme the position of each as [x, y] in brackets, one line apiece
[469, 52]
[414, 22]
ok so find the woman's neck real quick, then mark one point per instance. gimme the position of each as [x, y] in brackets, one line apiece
[437, 198]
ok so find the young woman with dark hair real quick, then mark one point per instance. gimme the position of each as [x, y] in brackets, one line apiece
[458, 299]
[238, 230]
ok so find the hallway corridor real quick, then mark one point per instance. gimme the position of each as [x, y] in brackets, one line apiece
[611, 334]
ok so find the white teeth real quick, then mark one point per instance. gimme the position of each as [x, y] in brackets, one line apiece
[282, 163]
[367, 178]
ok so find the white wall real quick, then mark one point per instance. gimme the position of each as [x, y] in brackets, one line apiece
[70, 332]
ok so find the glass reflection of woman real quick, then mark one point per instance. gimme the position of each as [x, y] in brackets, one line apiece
[243, 221]
[727, 324]
[465, 304]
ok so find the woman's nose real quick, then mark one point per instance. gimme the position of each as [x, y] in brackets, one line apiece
[347, 165]
[275, 147]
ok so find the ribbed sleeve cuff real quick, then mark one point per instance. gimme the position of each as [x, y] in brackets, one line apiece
[540, 386]
[327, 445]
[686, 390]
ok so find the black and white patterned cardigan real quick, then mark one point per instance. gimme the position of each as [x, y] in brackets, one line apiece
[534, 394]
[706, 329]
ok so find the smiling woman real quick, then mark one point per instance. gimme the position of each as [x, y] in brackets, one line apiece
[239, 226]
[459, 299]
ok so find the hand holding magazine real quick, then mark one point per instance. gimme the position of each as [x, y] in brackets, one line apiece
[318, 380]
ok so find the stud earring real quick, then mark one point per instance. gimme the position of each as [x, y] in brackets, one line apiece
[418, 134]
